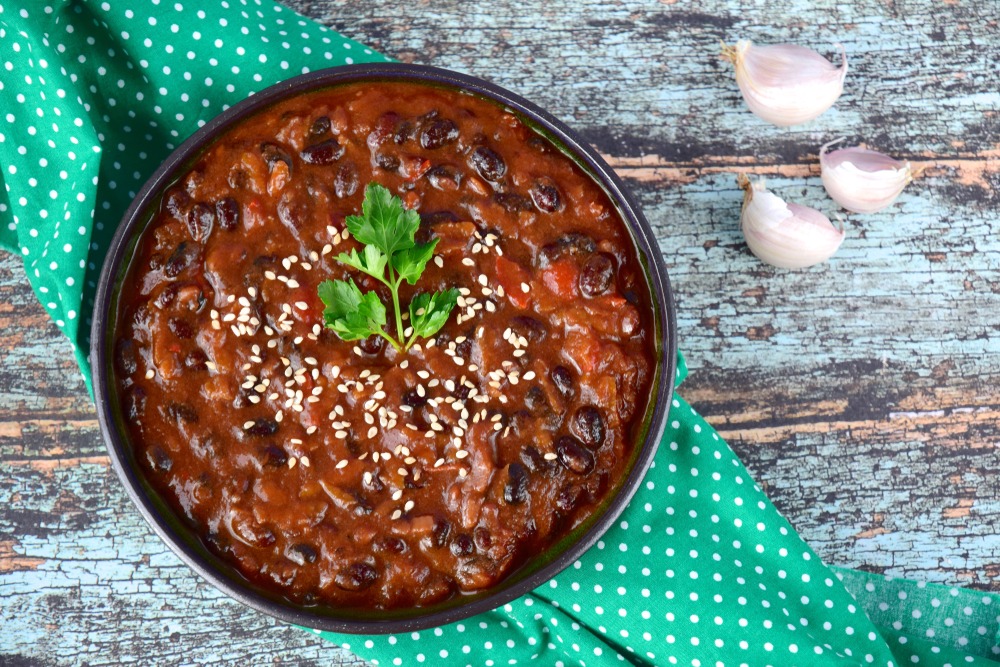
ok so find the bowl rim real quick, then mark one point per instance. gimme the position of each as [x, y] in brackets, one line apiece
[134, 221]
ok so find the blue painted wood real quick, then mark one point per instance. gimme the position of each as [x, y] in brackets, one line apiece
[860, 393]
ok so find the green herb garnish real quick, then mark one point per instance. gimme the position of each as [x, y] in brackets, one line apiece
[391, 255]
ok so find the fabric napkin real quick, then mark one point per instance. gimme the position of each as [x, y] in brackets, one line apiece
[701, 569]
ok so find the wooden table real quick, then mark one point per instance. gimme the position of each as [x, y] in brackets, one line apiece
[861, 393]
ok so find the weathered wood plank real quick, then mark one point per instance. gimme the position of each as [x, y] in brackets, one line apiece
[861, 394]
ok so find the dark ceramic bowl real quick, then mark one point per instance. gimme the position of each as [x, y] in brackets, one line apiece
[184, 540]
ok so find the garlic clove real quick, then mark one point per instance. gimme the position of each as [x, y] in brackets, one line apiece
[786, 84]
[862, 180]
[786, 235]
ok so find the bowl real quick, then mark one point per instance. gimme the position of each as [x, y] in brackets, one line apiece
[187, 544]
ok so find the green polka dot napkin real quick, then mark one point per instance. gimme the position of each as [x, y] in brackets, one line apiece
[700, 570]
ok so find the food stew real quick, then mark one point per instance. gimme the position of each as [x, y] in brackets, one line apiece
[349, 473]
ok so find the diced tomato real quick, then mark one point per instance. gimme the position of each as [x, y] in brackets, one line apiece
[511, 275]
[411, 200]
[561, 278]
[584, 349]
[414, 166]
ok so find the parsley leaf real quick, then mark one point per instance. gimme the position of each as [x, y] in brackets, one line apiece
[383, 222]
[429, 312]
[410, 263]
[352, 315]
[390, 255]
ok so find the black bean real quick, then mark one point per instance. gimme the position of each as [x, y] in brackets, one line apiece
[227, 211]
[272, 153]
[573, 244]
[196, 360]
[135, 403]
[166, 296]
[263, 427]
[159, 460]
[462, 545]
[179, 260]
[275, 456]
[598, 275]
[536, 401]
[546, 196]
[182, 412]
[300, 554]
[512, 201]
[573, 455]
[180, 328]
[200, 219]
[515, 492]
[530, 328]
[414, 400]
[125, 357]
[481, 536]
[356, 577]
[325, 152]
[439, 133]
[345, 182]
[442, 528]
[444, 177]
[177, 202]
[488, 163]
[362, 507]
[389, 544]
[437, 217]
[567, 498]
[563, 380]
[386, 161]
[405, 132]
[372, 345]
[534, 461]
[588, 425]
[320, 126]
[384, 129]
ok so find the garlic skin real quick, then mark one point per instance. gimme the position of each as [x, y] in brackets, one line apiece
[862, 180]
[786, 84]
[789, 236]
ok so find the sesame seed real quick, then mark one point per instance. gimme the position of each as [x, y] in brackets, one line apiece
[302, 305]
[461, 454]
[439, 261]
[150, 374]
[327, 248]
[341, 434]
[468, 262]
[518, 353]
[477, 248]
[291, 463]
[342, 464]
[311, 430]
[269, 275]
[439, 463]
[550, 456]
[247, 424]
[304, 460]
[404, 363]
[307, 266]
[278, 417]
[408, 506]
[483, 280]
[396, 515]
[211, 365]
[311, 361]
[462, 472]
[372, 431]
[230, 298]
[245, 302]
[292, 283]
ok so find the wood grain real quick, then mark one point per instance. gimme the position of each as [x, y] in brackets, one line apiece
[861, 394]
